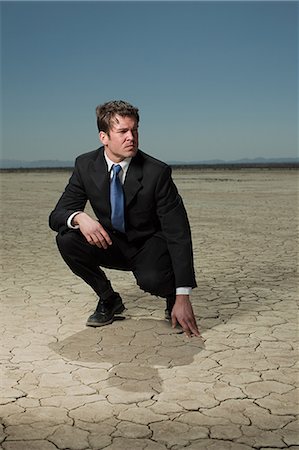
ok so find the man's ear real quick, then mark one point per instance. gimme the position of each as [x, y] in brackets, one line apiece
[103, 137]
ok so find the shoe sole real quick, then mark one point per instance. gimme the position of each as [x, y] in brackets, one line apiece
[108, 322]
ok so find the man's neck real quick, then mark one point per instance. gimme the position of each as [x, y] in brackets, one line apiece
[110, 161]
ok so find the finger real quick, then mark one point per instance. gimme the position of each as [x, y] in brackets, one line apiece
[99, 240]
[185, 327]
[190, 327]
[187, 332]
[195, 331]
[105, 235]
[193, 328]
[173, 321]
[103, 240]
[89, 240]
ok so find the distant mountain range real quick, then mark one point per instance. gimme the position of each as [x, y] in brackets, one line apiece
[18, 164]
[239, 161]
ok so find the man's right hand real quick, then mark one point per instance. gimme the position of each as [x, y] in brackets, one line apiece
[92, 230]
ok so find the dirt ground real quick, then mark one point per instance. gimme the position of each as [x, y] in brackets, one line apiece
[138, 383]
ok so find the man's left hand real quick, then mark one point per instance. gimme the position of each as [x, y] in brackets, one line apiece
[182, 313]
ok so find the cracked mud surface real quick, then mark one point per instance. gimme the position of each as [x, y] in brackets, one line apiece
[139, 384]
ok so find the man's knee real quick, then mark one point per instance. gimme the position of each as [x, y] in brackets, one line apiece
[67, 241]
[156, 282]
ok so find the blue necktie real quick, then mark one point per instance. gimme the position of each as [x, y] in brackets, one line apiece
[117, 200]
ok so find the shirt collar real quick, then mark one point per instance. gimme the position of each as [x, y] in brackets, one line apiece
[124, 163]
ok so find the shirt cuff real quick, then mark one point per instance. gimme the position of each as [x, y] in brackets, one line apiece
[69, 221]
[183, 291]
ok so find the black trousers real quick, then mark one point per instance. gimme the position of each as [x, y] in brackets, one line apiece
[149, 261]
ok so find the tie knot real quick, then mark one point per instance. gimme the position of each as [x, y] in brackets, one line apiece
[116, 168]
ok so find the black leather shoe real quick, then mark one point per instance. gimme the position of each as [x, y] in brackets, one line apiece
[170, 301]
[105, 311]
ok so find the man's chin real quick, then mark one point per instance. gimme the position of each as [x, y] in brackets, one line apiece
[131, 152]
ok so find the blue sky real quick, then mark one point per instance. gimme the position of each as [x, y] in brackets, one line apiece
[211, 79]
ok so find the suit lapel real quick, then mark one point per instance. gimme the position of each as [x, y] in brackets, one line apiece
[100, 177]
[133, 178]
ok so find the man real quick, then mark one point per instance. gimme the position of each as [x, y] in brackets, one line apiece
[141, 222]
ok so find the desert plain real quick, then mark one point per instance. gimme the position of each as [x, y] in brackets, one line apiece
[138, 383]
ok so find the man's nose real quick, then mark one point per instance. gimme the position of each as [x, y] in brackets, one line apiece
[130, 135]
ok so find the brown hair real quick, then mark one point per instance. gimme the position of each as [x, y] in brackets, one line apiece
[106, 113]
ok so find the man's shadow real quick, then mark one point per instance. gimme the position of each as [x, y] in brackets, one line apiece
[131, 351]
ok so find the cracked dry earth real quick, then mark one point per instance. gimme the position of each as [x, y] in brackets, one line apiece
[139, 384]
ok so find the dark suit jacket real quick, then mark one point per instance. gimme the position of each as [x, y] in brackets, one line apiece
[153, 205]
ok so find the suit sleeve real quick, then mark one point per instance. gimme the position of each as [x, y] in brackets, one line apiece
[73, 199]
[176, 229]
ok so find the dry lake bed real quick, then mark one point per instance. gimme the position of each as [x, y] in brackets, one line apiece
[138, 383]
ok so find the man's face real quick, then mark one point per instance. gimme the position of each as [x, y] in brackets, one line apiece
[122, 141]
